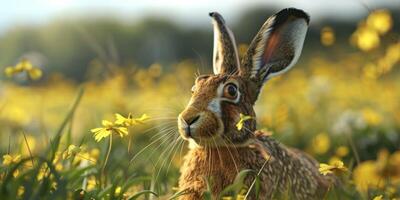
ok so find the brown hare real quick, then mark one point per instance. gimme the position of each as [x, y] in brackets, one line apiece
[218, 149]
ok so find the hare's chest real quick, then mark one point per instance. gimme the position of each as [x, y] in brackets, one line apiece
[217, 169]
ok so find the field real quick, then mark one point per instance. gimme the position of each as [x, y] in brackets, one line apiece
[337, 105]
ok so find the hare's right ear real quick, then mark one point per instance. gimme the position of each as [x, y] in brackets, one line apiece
[276, 47]
[225, 56]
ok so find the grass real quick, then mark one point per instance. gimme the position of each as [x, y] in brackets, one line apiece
[344, 109]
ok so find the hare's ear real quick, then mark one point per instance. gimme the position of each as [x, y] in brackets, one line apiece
[277, 46]
[225, 57]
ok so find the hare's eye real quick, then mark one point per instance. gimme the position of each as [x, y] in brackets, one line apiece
[230, 91]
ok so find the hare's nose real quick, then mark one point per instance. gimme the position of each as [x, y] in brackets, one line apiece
[191, 120]
[188, 124]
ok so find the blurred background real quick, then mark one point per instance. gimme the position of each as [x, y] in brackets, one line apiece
[66, 36]
[340, 102]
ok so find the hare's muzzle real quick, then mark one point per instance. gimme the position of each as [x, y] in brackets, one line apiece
[198, 125]
[187, 125]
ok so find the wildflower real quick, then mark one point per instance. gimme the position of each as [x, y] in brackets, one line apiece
[108, 129]
[380, 197]
[366, 38]
[91, 183]
[44, 171]
[130, 121]
[8, 159]
[242, 119]
[35, 73]
[367, 175]
[321, 143]
[59, 167]
[342, 151]
[371, 117]
[24, 66]
[336, 167]
[333, 159]
[20, 191]
[94, 154]
[72, 150]
[9, 71]
[327, 36]
[118, 190]
[380, 20]
[57, 157]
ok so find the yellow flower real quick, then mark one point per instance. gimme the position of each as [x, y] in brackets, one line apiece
[35, 73]
[8, 159]
[91, 183]
[240, 197]
[371, 117]
[59, 167]
[380, 197]
[337, 167]
[94, 154]
[130, 121]
[327, 36]
[366, 38]
[369, 174]
[57, 157]
[72, 150]
[118, 190]
[108, 129]
[380, 20]
[342, 151]
[242, 119]
[333, 159]
[24, 66]
[20, 191]
[9, 71]
[321, 143]
[44, 171]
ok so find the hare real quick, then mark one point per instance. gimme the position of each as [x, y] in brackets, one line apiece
[218, 150]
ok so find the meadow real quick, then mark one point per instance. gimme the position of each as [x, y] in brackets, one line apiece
[116, 137]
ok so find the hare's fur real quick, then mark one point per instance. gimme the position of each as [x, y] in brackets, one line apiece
[220, 150]
[287, 170]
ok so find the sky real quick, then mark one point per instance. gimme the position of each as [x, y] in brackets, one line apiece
[188, 12]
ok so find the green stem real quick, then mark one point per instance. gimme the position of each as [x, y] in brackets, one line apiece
[353, 147]
[107, 156]
[129, 142]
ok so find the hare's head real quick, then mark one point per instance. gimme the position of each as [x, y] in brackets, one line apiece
[218, 99]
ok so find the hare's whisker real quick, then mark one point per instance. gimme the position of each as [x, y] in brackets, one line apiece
[162, 131]
[143, 149]
[219, 155]
[210, 161]
[180, 154]
[158, 126]
[175, 151]
[232, 157]
[168, 153]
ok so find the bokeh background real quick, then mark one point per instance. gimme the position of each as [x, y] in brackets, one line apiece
[340, 102]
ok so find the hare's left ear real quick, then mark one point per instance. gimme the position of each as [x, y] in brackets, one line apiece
[276, 47]
[225, 58]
